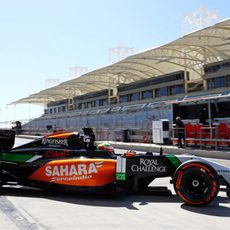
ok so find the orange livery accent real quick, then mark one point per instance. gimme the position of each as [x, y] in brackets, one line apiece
[77, 172]
[60, 135]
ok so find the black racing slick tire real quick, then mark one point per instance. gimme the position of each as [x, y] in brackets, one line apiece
[196, 183]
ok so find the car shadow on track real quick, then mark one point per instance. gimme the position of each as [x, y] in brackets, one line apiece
[216, 208]
[118, 200]
[103, 200]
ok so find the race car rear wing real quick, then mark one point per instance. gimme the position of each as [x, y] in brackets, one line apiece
[7, 138]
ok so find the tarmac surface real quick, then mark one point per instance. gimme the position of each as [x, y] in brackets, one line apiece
[31, 209]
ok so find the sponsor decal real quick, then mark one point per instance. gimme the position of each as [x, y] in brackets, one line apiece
[120, 176]
[86, 139]
[179, 179]
[49, 141]
[213, 192]
[64, 153]
[149, 165]
[72, 172]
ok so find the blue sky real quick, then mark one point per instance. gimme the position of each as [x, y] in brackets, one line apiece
[42, 39]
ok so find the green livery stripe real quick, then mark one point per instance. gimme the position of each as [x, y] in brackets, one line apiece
[174, 160]
[15, 157]
[120, 176]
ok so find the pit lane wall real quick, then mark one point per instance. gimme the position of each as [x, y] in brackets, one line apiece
[198, 136]
[167, 149]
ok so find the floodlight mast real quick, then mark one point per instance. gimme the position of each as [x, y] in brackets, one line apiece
[198, 19]
[119, 52]
[76, 71]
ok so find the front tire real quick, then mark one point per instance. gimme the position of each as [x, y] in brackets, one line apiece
[196, 183]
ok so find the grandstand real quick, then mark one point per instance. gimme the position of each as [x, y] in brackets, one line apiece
[121, 100]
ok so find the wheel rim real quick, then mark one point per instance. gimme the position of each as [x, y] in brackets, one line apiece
[196, 185]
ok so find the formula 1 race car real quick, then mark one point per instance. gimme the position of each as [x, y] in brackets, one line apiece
[72, 162]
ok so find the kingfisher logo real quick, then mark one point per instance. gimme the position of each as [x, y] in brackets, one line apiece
[47, 141]
[71, 172]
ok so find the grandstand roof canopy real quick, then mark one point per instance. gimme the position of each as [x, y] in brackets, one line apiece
[189, 53]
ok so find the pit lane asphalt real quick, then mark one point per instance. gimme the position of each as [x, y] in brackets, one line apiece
[25, 208]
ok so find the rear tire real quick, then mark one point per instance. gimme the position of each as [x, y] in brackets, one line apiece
[196, 183]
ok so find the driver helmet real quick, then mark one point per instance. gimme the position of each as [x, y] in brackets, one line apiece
[106, 147]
